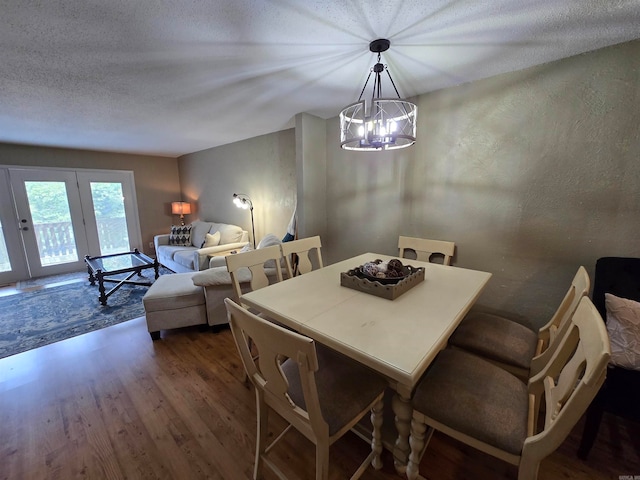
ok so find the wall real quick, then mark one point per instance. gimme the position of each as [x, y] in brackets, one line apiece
[311, 170]
[531, 173]
[262, 167]
[156, 178]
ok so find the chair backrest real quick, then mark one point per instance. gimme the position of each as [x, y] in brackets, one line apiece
[551, 333]
[425, 248]
[275, 345]
[250, 267]
[304, 249]
[571, 379]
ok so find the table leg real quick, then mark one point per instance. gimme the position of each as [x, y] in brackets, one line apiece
[92, 279]
[103, 296]
[403, 410]
[156, 266]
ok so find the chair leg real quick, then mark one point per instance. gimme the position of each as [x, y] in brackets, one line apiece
[261, 434]
[322, 459]
[528, 468]
[591, 425]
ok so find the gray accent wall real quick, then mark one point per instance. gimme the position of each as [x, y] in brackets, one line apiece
[262, 167]
[531, 173]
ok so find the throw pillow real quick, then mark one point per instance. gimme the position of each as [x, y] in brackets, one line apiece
[211, 240]
[180, 235]
[623, 326]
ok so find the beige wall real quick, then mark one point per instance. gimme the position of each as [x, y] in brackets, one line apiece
[531, 173]
[262, 167]
[157, 182]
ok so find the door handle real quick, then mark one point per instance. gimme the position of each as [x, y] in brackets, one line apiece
[24, 228]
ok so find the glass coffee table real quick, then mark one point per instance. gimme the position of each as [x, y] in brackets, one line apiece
[104, 267]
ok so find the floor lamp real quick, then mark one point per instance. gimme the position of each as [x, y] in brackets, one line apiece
[243, 201]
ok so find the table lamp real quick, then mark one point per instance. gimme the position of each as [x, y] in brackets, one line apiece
[182, 209]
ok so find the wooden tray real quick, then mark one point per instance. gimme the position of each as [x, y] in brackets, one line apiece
[354, 279]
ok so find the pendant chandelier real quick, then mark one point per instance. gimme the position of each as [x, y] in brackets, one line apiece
[384, 123]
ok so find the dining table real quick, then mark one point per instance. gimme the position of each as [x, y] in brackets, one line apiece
[397, 338]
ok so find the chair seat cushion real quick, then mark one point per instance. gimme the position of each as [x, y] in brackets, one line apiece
[345, 387]
[475, 397]
[496, 338]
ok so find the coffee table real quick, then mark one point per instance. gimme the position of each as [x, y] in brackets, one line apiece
[103, 267]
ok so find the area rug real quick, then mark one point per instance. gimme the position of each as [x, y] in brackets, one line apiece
[36, 318]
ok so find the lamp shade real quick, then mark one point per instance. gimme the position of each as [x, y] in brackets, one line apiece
[180, 208]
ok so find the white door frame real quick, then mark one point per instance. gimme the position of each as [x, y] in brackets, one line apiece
[11, 229]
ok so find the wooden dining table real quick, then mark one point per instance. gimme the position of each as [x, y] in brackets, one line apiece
[397, 338]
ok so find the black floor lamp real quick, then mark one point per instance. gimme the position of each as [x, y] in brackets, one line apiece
[243, 201]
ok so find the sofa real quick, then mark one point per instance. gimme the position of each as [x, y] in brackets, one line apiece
[189, 248]
[197, 298]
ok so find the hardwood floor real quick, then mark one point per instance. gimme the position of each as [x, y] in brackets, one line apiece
[113, 404]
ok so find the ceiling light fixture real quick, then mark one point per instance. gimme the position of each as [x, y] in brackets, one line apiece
[384, 124]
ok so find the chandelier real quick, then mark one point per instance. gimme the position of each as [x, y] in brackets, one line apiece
[384, 123]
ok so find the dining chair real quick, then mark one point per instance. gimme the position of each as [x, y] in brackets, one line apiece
[253, 270]
[486, 407]
[620, 394]
[513, 346]
[257, 268]
[306, 252]
[425, 248]
[318, 391]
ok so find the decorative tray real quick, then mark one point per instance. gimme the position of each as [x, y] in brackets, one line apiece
[404, 278]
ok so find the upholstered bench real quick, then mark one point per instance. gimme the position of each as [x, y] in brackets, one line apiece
[174, 301]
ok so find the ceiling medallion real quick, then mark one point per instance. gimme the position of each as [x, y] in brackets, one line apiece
[384, 123]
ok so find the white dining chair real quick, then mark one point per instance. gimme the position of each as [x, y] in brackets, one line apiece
[513, 346]
[254, 269]
[425, 248]
[486, 407]
[318, 391]
[302, 255]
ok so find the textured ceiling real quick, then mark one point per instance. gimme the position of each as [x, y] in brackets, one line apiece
[170, 77]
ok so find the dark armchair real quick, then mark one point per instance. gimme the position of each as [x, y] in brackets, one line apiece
[620, 393]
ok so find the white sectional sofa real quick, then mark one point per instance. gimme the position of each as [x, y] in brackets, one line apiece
[194, 257]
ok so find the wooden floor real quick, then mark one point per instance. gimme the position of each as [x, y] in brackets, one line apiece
[113, 404]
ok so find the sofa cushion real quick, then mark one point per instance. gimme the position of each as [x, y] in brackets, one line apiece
[180, 235]
[173, 292]
[198, 231]
[184, 258]
[228, 233]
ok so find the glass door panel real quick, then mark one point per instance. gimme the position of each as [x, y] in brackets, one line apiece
[111, 213]
[51, 220]
[5, 263]
[108, 207]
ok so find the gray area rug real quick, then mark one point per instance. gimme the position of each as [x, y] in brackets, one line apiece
[40, 317]
[63, 277]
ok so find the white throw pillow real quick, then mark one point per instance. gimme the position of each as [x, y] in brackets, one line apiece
[211, 240]
[623, 326]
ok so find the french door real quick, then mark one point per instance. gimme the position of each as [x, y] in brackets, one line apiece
[55, 217]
